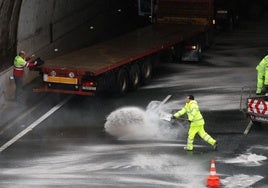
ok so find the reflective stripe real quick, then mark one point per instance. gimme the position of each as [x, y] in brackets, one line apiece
[260, 66]
[21, 67]
[190, 145]
[18, 71]
[206, 137]
[197, 120]
[18, 68]
[190, 111]
[266, 58]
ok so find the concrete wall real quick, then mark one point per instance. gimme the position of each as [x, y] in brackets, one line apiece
[9, 13]
[65, 25]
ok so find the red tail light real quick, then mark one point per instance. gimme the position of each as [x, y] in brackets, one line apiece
[190, 47]
[89, 85]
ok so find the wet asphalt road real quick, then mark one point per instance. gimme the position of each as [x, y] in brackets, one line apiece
[71, 148]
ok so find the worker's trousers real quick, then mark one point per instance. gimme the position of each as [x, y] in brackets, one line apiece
[198, 128]
[19, 88]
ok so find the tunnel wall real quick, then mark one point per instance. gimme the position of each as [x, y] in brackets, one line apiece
[9, 13]
[65, 25]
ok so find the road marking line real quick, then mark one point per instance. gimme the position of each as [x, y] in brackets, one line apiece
[34, 124]
[14, 121]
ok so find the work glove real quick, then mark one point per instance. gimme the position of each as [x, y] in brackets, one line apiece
[173, 120]
[174, 117]
[39, 61]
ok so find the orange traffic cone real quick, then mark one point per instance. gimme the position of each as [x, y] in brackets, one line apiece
[213, 181]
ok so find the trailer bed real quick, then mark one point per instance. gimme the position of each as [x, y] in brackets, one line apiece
[111, 54]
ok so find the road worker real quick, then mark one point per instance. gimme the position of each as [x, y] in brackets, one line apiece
[197, 123]
[20, 61]
[262, 76]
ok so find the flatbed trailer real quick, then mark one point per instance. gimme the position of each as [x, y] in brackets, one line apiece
[126, 62]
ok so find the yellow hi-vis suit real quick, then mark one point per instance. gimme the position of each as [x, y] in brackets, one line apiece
[262, 75]
[197, 124]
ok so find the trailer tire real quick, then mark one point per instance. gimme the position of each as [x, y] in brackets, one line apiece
[121, 85]
[134, 77]
[146, 71]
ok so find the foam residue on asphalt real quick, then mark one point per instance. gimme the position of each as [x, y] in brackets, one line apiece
[138, 124]
[243, 180]
[127, 165]
[247, 159]
[240, 181]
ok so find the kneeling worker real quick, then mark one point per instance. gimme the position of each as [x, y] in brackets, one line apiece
[196, 123]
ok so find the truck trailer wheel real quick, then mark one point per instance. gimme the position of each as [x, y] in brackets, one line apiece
[121, 85]
[146, 71]
[134, 77]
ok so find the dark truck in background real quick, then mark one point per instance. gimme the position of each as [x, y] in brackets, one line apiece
[180, 29]
[227, 14]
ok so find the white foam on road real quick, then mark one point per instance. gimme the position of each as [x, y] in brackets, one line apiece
[247, 159]
[243, 180]
[240, 181]
[137, 124]
[140, 165]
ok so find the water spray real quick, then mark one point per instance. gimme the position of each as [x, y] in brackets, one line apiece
[134, 123]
